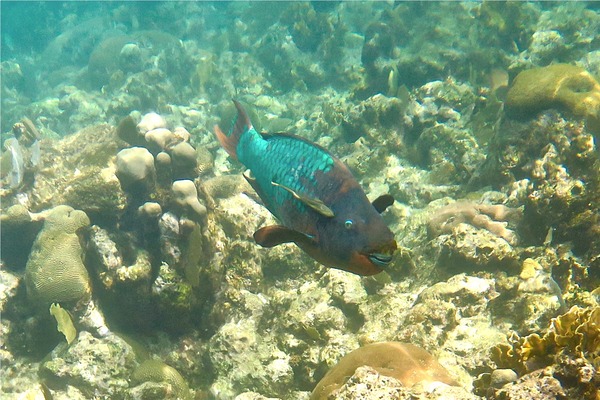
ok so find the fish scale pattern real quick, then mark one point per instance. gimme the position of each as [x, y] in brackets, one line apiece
[285, 160]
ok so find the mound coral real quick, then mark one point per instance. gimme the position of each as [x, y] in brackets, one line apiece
[555, 86]
[157, 371]
[135, 169]
[404, 361]
[55, 272]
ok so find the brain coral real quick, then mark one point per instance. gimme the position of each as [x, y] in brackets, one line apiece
[555, 86]
[404, 361]
[55, 272]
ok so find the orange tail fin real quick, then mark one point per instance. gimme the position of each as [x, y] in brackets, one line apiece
[240, 125]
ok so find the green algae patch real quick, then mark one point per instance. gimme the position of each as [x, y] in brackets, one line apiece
[64, 323]
[562, 86]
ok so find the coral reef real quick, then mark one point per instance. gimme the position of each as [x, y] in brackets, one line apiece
[414, 98]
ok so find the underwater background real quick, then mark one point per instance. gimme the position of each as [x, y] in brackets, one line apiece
[128, 267]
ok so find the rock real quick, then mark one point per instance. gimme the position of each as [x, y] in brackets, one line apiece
[470, 249]
[367, 383]
[501, 377]
[243, 359]
[150, 210]
[98, 367]
[538, 385]
[79, 171]
[18, 233]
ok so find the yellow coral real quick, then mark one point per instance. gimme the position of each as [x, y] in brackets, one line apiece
[576, 332]
[555, 86]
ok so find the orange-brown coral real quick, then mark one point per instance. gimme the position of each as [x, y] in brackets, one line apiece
[406, 362]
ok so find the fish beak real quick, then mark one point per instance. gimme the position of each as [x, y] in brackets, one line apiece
[380, 259]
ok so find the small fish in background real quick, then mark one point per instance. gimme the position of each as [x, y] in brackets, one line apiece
[321, 206]
[17, 162]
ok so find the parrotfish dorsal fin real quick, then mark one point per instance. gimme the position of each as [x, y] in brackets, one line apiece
[383, 202]
[271, 236]
[315, 204]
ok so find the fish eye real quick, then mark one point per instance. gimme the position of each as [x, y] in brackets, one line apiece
[348, 224]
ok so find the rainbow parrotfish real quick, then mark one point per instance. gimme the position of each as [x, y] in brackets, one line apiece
[320, 205]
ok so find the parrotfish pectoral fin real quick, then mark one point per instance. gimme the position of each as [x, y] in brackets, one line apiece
[315, 204]
[271, 236]
[240, 125]
[252, 181]
[383, 202]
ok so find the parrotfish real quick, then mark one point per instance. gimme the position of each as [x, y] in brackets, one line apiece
[321, 206]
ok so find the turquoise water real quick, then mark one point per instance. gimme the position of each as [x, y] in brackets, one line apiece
[481, 119]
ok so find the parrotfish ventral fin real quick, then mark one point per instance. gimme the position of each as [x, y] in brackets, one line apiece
[240, 125]
[315, 204]
[383, 202]
[271, 236]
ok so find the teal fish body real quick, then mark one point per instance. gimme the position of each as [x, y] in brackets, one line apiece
[320, 205]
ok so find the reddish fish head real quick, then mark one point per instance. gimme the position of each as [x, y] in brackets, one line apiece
[356, 239]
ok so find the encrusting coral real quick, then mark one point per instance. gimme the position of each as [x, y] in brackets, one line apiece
[555, 86]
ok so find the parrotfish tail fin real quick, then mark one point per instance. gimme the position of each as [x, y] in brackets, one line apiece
[240, 125]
